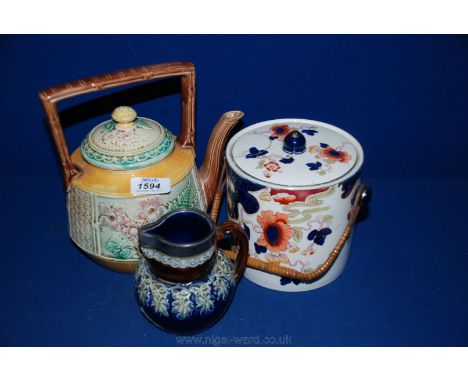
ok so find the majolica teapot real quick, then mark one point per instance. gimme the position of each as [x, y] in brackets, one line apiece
[130, 170]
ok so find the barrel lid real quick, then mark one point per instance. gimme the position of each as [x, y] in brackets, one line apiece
[127, 142]
[294, 152]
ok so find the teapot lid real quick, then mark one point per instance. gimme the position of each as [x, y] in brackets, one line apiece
[294, 153]
[127, 142]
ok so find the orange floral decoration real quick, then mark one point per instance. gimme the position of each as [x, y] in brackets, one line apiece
[272, 166]
[336, 155]
[276, 231]
[280, 131]
[284, 198]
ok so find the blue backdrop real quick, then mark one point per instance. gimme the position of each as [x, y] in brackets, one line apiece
[403, 97]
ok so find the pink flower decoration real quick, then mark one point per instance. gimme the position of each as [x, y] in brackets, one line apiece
[130, 230]
[149, 208]
[112, 216]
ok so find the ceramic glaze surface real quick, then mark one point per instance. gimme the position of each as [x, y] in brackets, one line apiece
[107, 227]
[293, 228]
[94, 179]
[290, 185]
[186, 307]
[261, 152]
[184, 282]
[127, 142]
[107, 177]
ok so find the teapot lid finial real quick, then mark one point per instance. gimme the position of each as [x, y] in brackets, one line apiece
[124, 116]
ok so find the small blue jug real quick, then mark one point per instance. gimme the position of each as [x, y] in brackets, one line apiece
[185, 282]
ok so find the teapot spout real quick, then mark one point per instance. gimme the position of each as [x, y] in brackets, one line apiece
[210, 171]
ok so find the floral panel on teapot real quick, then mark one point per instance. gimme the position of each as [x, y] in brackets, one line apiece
[108, 226]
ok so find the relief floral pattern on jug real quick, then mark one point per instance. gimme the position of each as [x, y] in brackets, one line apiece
[186, 301]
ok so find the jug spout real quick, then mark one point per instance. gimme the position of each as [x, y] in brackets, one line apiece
[179, 247]
[210, 171]
[183, 232]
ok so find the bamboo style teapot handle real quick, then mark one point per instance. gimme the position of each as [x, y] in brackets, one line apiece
[50, 97]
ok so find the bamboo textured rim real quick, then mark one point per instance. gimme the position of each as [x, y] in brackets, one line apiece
[50, 97]
[361, 197]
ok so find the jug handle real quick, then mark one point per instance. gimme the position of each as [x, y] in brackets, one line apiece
[50, 97]
[234, 231]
